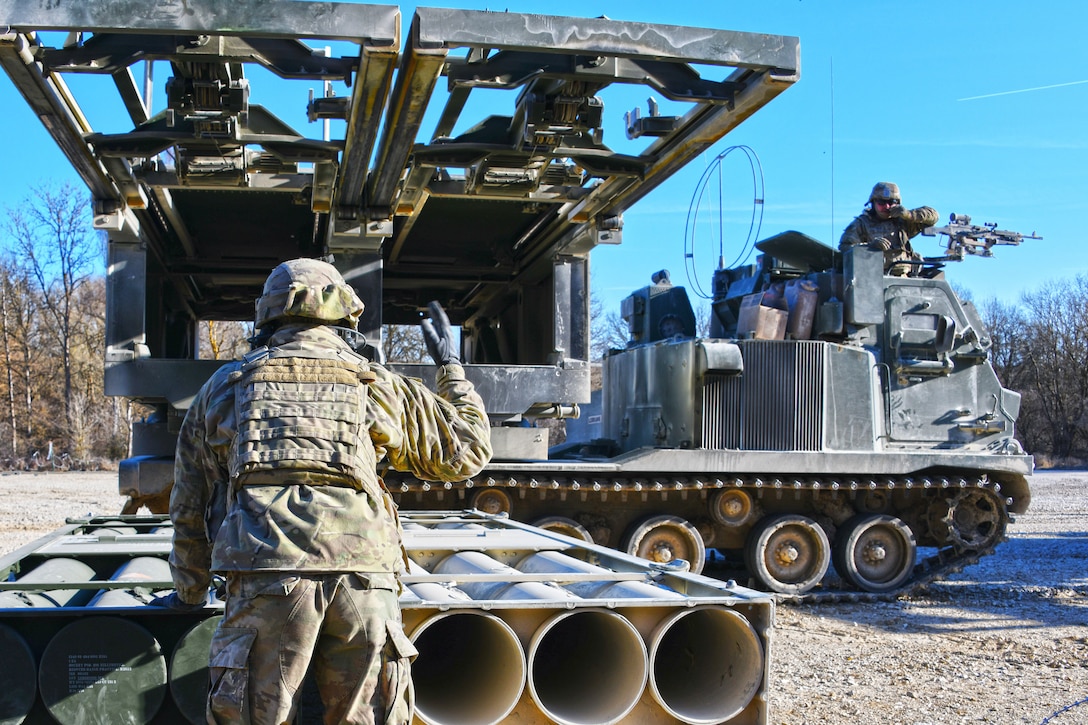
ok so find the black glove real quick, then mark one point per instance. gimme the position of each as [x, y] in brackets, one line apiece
[173, 602]
[438, 334]
[880, 245]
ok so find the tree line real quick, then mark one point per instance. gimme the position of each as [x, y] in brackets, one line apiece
[55, 414]
[52, 338]
[1040, 349]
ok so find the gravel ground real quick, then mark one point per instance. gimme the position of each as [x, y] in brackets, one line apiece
[1005, 641]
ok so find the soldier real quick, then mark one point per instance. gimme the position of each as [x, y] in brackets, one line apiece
[275, 487]
[887, 226]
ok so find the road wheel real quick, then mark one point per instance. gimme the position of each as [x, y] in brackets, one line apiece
[663, 539]
[733, 507]
[565, 526]
[492, 501]
[875, 553]
[788, 553]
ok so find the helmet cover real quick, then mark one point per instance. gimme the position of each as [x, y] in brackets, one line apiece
[309, 289]
[885, 190]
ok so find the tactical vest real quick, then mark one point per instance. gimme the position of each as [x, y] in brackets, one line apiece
[890, 229]
[300, 419]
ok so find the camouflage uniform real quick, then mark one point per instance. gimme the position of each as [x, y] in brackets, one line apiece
[892, 235]
[310, 556]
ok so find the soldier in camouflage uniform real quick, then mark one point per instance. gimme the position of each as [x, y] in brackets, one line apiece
[275, 487]
[887, 226]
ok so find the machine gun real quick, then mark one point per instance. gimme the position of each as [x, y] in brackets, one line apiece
[966, 238]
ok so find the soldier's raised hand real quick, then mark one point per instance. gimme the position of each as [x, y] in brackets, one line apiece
[438, 334]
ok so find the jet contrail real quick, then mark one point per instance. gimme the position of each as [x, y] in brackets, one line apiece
[1023, 90]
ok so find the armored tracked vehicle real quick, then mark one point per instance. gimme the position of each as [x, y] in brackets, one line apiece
[471, 166]
[835, 415]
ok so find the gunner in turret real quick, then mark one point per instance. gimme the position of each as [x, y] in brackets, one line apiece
[886, 225]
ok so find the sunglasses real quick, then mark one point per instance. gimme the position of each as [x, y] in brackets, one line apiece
[887, 202]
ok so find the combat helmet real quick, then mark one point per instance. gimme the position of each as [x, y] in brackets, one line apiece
[311, 290]
[885, 190]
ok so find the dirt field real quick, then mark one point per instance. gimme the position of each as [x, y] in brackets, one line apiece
[1005, 641]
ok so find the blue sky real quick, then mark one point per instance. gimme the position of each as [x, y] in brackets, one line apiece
[971, 107]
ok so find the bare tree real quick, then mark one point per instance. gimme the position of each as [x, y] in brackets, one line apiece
[404, 343]
[224, 340]
[1056, 358]
[1040, 349]
[702, 318]
[22, 350]
[607, 329]
[88, 421]
[6, 330]
[57, 247]
[1008, 330]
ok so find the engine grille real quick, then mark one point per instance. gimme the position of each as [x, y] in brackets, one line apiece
[776, 404]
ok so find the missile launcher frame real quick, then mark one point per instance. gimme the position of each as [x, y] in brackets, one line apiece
[512, 622]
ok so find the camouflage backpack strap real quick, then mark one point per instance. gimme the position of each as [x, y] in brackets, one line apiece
[251, 358]
[300, 420]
